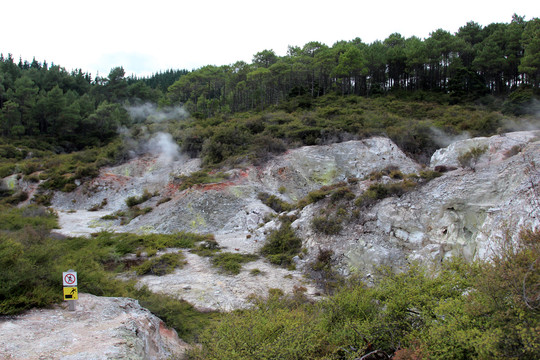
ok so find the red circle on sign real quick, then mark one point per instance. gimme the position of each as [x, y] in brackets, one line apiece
[70, 279]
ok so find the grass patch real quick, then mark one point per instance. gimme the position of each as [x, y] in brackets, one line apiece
[274, 202]
[199, 177]
[164, 264]
[231, 263]
[137, 200]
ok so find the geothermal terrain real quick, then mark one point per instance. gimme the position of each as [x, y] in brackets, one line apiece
[463, 212]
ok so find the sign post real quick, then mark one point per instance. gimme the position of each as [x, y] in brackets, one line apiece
[69, 279]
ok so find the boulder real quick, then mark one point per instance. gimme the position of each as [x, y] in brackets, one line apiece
[100, 328]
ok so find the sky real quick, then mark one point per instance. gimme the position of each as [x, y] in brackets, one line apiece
[146, 37]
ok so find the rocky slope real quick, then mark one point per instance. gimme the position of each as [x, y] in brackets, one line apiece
[465, 211]
[99, 328]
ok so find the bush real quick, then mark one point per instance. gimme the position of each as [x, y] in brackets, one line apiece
[163, 200]
[275, 203]
[276, 329]
[342, 193]
[282, 245]
[6, 170]
[136, 200]
[328, 225]
[380, 191]
[13, 219]
[471, 157]
[164, 264]
[200, 177]
[230, 263]
[14, 198]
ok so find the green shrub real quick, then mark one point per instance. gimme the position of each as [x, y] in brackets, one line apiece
[164, 264]
[163, 200]
[132, 213]
[276, 329]
[84, 171]
[340, 189]
[207, 247]
[231, 263]
[380, 191]
[429, 174]
[136, 200]
[274, 202]
[14, 198]
[341, 193]
[200, 177]
[282, 245]
[471, 157]
[328, 225]
[324, 260]
[6, 170]
[99, 206]
[33, 215]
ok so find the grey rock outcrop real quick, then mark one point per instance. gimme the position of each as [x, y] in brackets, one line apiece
[233, 205]
[465, 212]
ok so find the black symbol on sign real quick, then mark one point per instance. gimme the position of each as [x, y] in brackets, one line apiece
[70, 279]
[71, 294]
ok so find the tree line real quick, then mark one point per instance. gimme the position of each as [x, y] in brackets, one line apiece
[74, 111]
[496, 59]
[71, 109]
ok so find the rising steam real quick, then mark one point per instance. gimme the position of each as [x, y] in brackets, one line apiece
[151, 113]
[163, 146]
[443, 139]
[150, 139]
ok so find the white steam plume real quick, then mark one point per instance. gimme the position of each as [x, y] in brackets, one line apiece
[150, 112]
[443, 139]
[163, 146]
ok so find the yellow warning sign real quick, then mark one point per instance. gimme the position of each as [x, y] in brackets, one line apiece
[71, 293]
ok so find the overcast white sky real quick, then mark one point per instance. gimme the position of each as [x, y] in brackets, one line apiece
[147, 36]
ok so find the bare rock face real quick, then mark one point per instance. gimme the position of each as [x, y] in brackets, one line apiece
[100, 328]
[465, 212]
[231, 206]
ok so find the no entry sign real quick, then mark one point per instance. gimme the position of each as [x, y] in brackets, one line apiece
[69, 278]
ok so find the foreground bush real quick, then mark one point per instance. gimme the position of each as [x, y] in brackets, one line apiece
[484, 310]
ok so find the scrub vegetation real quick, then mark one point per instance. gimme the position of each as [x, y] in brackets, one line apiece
[482, 310]
[59, 128]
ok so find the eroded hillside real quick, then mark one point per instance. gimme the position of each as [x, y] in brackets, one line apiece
[462, 212]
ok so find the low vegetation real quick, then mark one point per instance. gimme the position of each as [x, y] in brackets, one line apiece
[137, 200]
[199, 178]
[464, 311]
[32, 262]
[231, 263]
[469, 158]
[282, 245]
[161, 265]
[274, 202]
